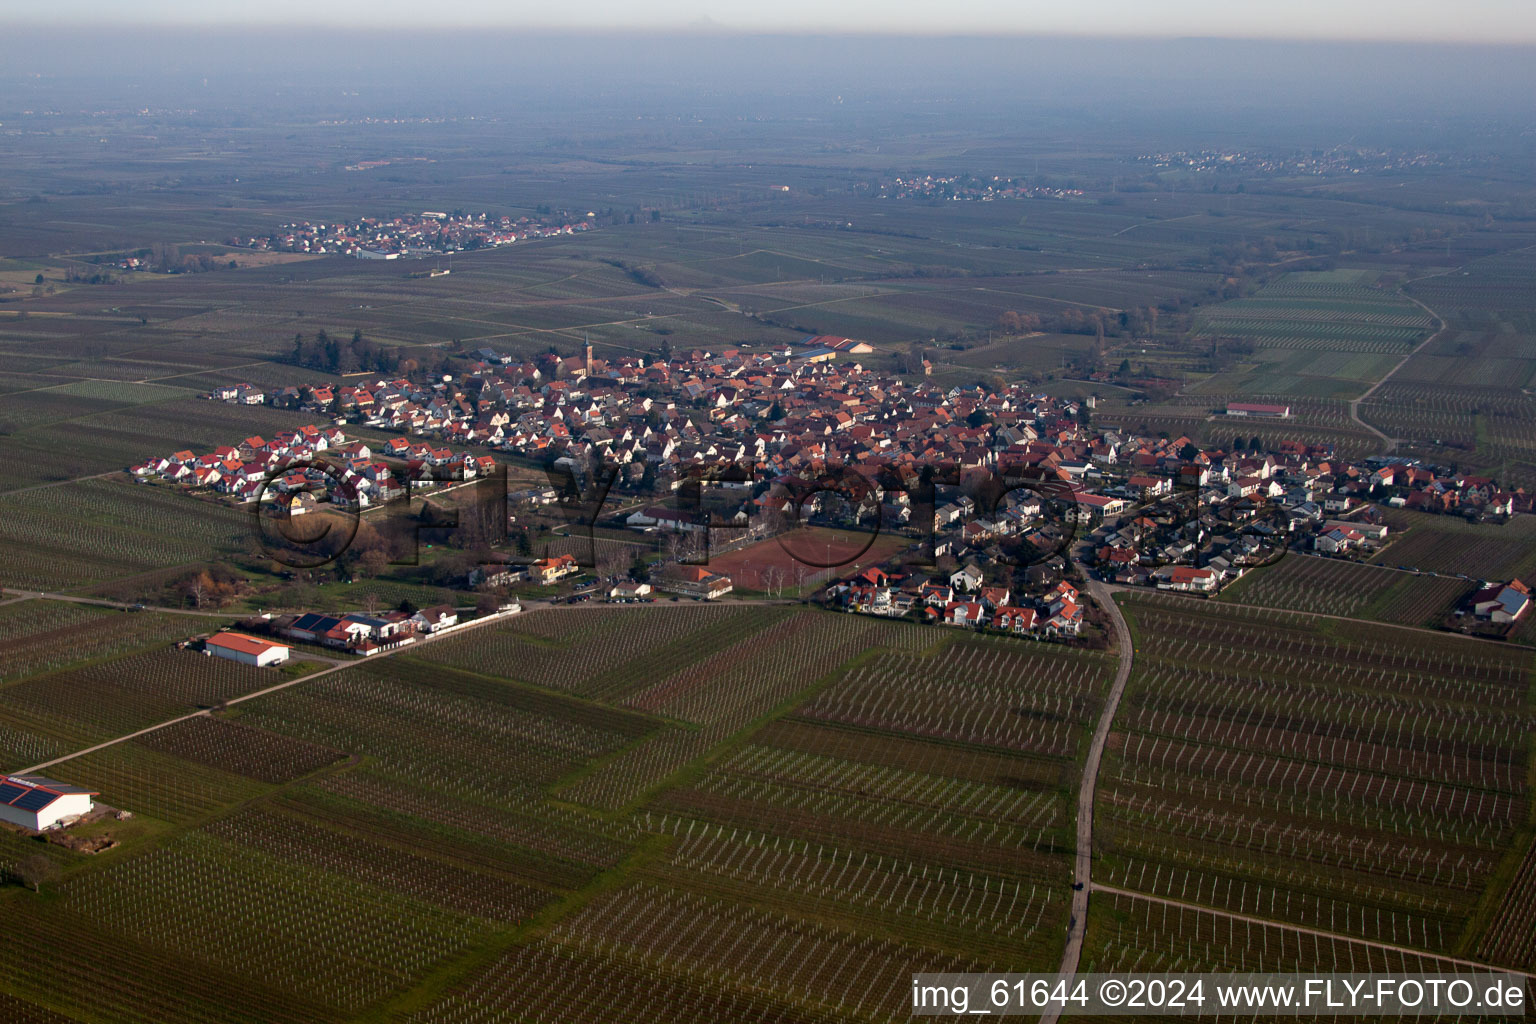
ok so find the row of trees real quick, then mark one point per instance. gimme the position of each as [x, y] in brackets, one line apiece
[1130, 322]
[357, 354]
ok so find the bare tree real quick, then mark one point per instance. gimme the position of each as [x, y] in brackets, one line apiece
[35, 869]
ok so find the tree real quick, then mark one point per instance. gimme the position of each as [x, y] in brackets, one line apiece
[1255, 445]
[1237, 444]
[1125, 368]
[1189, 452]
[35, 869]
[373, 562]
[200, 587]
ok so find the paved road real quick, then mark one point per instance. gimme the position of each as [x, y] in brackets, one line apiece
[1082, 871]
[1303, 929]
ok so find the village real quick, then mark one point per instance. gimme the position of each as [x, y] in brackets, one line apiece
[429, 233]
[732, 448]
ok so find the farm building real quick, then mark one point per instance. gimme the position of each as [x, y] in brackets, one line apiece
[1502, 603]
[246, 649]
[837, 344]
[40, 803]
[1280, 412]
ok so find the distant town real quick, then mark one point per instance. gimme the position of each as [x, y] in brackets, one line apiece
[428, 233]
[964, 187]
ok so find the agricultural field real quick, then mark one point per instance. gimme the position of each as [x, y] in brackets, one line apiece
[1318, 310]
[1366, 781]
[1199, 415]
[1350, 590]
[699, 812]
[1447, 544]
[93, 530]
[1465, 397]
[1319, 335]
[869, 794]
[38, 635]
[49, 714]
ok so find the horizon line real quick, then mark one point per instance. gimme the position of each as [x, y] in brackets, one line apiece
[718, 30]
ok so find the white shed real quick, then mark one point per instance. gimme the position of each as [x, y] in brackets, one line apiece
[40, 803]
[247, 650]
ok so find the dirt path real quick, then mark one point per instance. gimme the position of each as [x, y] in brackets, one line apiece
[1354, 406]
[1304, 930]
[1082, 870]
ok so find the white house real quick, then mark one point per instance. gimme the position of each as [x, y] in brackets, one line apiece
[40, 803]
[1185, 577]
[247, 650]
[1338, 540]
[436, 618]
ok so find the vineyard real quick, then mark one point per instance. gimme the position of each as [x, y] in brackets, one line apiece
[239, 749]
[1137, 934]
[330, 938]
[1301, 312]
[1358, 780]
[1510, 937]
[75, 707]
[36, 636]
[94, 529]
[694, 812]
[769, 830]
[1349, 589]
[600, 651]
[1446, 544]
[448, 730]
[1313, 420]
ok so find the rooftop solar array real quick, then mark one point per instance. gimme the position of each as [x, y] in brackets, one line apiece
[34, 792]
[34, 800]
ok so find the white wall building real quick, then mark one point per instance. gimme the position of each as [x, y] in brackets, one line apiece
[40, 803]
[247, 649]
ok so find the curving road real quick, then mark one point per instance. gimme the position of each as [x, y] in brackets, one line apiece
[1082, 870]
[1441, 326]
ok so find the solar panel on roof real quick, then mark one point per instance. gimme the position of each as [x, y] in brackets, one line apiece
[9, 792]
[35, 800]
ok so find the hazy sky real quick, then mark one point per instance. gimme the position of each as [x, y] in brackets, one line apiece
[1499, 21]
